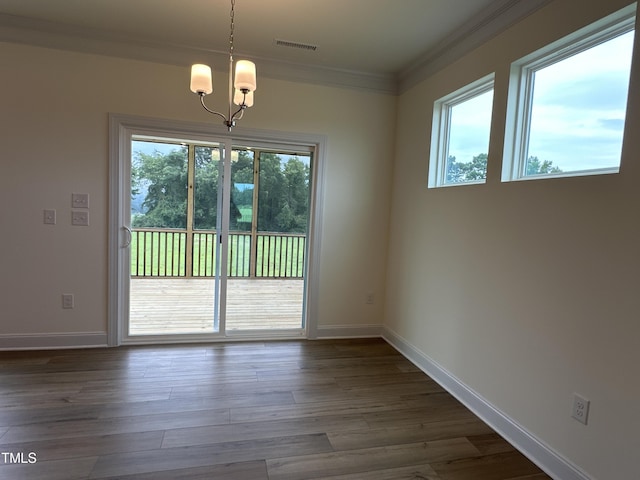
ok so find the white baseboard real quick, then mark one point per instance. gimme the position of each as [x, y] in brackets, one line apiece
[552, 463]
[346, 331]
[49, 341]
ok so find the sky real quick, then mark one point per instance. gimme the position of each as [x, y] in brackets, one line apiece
[470, 127]
[577, 115]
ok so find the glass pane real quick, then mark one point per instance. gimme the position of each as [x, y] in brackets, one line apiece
[158, 201]
[270, 295]
[242, 189]
[158, 185]
[165, 297]
[205, 195]
[241, 214]
[469, 128]
[283, 197]
[578, 110]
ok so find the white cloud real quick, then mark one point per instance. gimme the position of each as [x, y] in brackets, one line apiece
[579, 107]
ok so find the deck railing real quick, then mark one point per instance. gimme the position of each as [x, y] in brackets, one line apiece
[178, 253]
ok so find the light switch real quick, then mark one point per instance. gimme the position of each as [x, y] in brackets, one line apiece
[49, 217]
[80, 218]
[80, 200]
[67, 300]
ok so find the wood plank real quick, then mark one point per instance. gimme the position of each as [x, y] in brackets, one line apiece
[111, 426]
[183, 437]
[424, 432]
[43, 414]
[71, 469]
[255, 470]
[204, 455]
[412, 472]
[319, 409]
[490, 443]
[88, 446]
[488, 467]
[362, 460]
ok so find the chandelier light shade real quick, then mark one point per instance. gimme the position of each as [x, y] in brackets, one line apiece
[240, 97]
[240, 91]
[201, 82]
[245, 75]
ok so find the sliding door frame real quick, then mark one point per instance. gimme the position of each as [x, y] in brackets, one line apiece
[122, 128]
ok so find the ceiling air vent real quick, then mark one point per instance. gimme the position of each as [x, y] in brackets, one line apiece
[302, 46]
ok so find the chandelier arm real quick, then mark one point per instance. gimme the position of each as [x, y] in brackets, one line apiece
[221, 115]
[237, 115]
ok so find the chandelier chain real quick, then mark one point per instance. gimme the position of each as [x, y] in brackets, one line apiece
[232, 15]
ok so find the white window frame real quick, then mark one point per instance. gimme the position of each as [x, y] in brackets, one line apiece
[441, 128]
[520, 96]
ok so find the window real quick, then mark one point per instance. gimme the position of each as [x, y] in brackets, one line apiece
[460, 136]
[567, 103]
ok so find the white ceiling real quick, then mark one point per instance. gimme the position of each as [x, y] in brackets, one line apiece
[373, 42]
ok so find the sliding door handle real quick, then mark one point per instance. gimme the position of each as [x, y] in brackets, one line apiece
[129, 237]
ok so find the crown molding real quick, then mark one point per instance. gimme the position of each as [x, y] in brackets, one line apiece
[499, 16]
[493, 20]
[16, 29]
[60, 36]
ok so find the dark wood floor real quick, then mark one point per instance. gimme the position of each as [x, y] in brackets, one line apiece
[347, 410]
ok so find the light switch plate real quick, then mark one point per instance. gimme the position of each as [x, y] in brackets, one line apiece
[80, 218]
[80, 200]
[49, 217]
[67, 300]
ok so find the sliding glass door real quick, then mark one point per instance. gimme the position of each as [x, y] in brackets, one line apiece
[176, 198]
[217, 247]
[268, 240]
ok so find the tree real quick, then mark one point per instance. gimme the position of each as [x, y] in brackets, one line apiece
[283, 196]
[270, 192]
[162, 179]
[535, 167]
[296, 202]
[242, 189]
[471, 171]
[476, 169]
[205, 194]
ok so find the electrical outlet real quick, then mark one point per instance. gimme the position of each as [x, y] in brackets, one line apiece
[67, 300]
[369, 298]
[80, 217]
[580, 410]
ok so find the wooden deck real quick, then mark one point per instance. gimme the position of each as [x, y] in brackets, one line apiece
[185, 305]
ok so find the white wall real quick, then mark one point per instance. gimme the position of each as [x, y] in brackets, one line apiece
[54, 128]
[528, 291]
[522, 306]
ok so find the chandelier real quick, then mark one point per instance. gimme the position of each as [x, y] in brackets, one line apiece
[240, 92]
